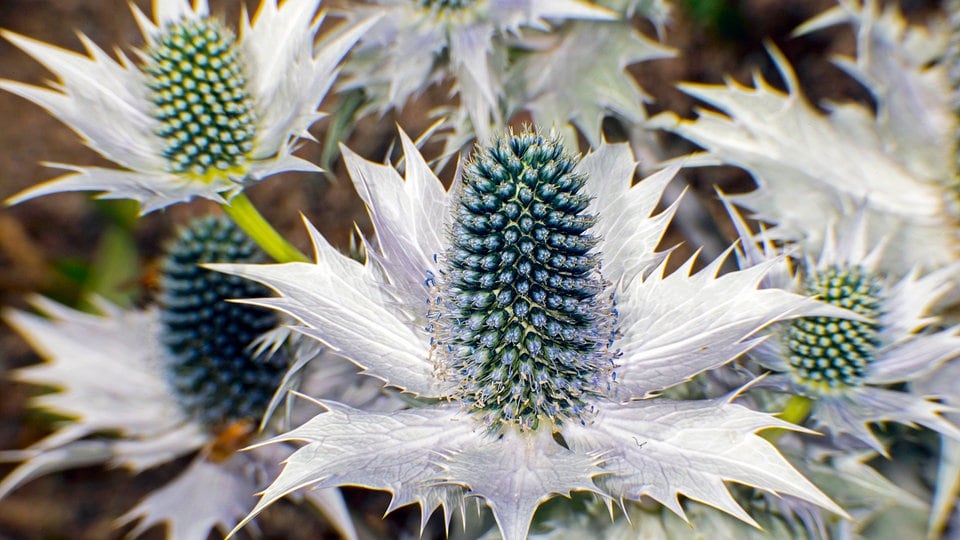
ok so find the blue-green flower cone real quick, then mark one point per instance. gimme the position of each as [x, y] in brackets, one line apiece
[212, 364]
[526, 327]
[831, 353]
[444, 4]
[200, 97]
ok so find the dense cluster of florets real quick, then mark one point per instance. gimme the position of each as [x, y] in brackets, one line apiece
[199, 93]
[440, 5]
[828, 352]
[212, 365]
[526, 327]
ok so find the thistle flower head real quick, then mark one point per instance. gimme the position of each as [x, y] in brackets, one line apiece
[875, 332]
[525, 324]
[217, 372]
[441, 5]
[487, 299]
[200, 98]
[827, 353]
[204, 113]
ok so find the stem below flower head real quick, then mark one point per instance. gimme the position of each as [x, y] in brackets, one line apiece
[796, 411]
[246, 216]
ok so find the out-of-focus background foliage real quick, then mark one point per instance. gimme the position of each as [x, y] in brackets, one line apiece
[68, 246]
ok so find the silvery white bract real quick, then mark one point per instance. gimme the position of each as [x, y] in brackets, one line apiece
[814, 168]
[512, 413]
[861, 490]
[848, 365]
[579, 76]
[111, 374]
[945, 382]
[658, 11]
[571, 79]
[201, 112]
[418, 43]
[700, 521]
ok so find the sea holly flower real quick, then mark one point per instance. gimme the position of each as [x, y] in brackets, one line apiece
[849, 366]
[143, 387]
[202, 111]
[813, 168]
[527, 310]
[418, 43]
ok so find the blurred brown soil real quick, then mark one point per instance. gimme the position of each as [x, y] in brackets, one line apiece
[82, 504]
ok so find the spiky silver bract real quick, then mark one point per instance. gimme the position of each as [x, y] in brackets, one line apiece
[845, 477]
[578, 76]
[202, 112]
[419, 43]
[670, 327]
[814, 168]
[944, 382]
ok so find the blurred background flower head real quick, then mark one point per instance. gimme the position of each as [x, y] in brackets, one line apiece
[194, 374]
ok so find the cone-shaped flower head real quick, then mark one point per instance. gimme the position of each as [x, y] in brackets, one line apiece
[167, 382]
[849, 365]
[200, 98]
[830, 352]
[524, 328]
[528, 305]
[440, 5]
[218, 374]
[202, 112]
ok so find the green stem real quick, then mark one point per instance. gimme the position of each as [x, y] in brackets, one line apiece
[246, 216]
[796, 411]
[341, 124]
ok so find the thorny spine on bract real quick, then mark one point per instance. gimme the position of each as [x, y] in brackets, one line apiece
[522, 319]
[828, 353]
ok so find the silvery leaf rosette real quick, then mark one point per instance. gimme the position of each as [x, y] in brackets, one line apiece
[528, 313]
